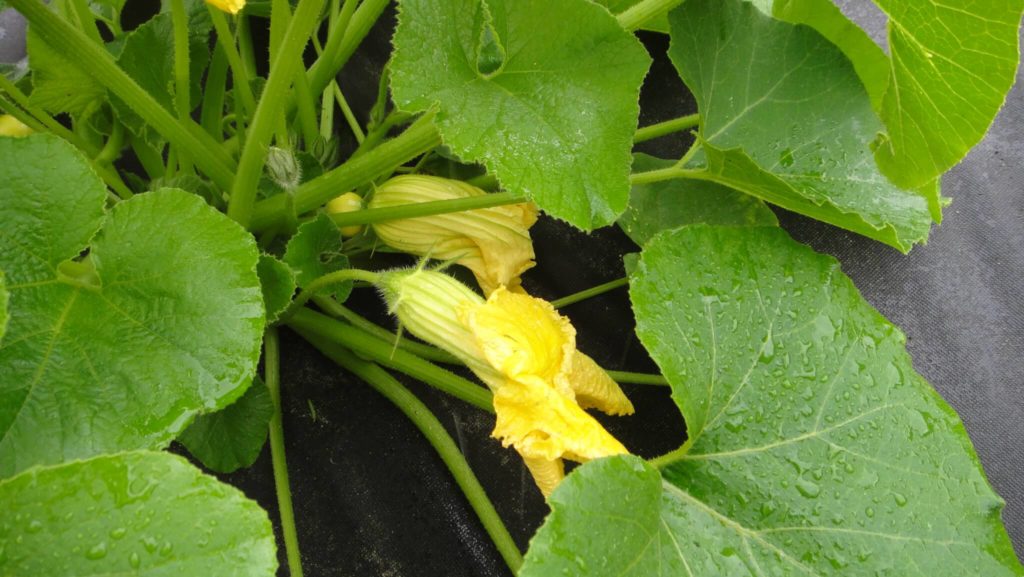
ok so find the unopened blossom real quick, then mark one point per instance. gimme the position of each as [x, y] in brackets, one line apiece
[11, 126]
[526, 354]
[348, 202]
[229, 6]
[494, 243]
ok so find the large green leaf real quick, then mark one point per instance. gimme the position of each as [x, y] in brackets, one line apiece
[669, 204]
[119, 349]
[784, 117]
[543, 93]
[952, 65]
[814, 447]
[140, 514]
[232, 437]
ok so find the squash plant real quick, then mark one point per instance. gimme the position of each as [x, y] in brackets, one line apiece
[169, 198]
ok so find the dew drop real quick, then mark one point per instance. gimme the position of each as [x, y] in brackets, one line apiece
[97, 551]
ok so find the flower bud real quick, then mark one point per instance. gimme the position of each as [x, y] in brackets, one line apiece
[427, 305]
[494, 243]
[348, 202]
[229, 6]
[283, 168]
[11, 126]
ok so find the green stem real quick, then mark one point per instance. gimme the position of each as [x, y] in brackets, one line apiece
[670, 457]
[636, 378]
[182, 79]
[280, 18]
[42, 117]
[417, 139]
[86, 22]
[309, 324]
[282, 72]
[331, 307]
[667, 127]
[77, 49]
[688, 154]
[350, 117]
[271, 376]
[239, 75]
[320, 283]
[372, 215]
[247, 52]
[644, 11]
[669, 173]
[438, 437]
[213, 94]
[342, 42]
[590, 292]
[111, 150]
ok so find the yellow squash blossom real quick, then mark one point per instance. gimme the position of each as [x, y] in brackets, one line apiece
[229, 6]
[526, 353]
[11, 126]
[494, 243]
[348, 202]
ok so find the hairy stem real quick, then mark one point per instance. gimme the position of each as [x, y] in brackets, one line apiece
[644, 11]
[590, 292]
[311, 324]
[438, 438]
[282, 72]
[271, 375]
[320, 283]
[93, 59]
[667, 127]
[417, 139]
[331, 307]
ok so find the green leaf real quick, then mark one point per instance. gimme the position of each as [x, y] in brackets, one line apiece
[549, 107]
[119, 349]
[233, 437]
[59, 86]
[672, 203]
[141, 514]
[951, 68]
[315, 250]
[148, 57]
[788, 121]
[814, 447]
[278, 283]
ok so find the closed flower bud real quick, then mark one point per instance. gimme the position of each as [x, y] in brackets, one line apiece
[11, 126]
[494, 243]
[526, 353]
[229, 6]
[348, 202]
[283, 168]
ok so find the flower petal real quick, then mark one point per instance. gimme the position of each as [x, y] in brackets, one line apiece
[541, 423]
[521, 336]
[595, 389]
[546, 474]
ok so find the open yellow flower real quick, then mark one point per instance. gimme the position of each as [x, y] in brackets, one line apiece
[526, 353]
[229, 6]
[11, 126]
[493, 242]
